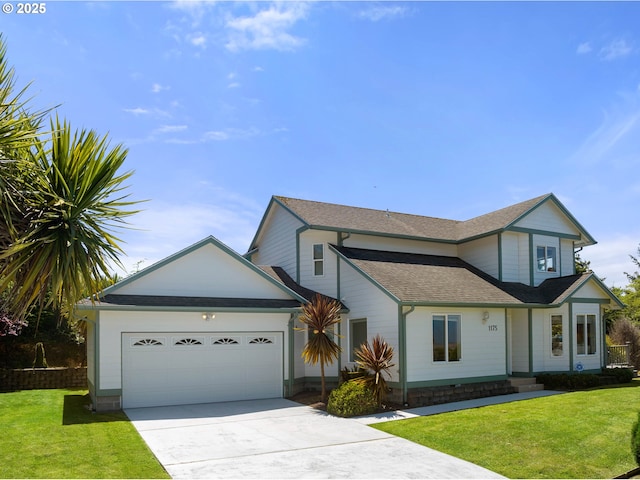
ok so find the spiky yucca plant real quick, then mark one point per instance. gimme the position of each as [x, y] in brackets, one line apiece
[375, 359]
[319, 317]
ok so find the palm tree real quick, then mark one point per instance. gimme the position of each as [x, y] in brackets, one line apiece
[320, 317]
[68, 202]
[61, 202]
[375, 359]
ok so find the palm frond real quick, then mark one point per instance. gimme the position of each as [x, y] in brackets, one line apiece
[376, 358]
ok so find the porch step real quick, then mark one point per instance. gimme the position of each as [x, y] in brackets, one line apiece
[525, 384]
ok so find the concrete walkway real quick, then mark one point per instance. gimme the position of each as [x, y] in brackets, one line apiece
[282, 439]
[452, 407]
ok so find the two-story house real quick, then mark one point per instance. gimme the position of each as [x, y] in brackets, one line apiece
[462, 303]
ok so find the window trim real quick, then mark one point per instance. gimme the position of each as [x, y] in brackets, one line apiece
[352, 347]
[446, 338]
[562, 335]
[546, 269]
[585, 343]
[319, 260]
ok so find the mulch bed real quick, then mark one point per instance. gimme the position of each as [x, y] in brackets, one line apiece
[314, 400]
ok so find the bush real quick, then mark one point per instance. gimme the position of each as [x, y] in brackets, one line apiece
[622, 375]
[566, 381]
[635, 440]
[350, 400]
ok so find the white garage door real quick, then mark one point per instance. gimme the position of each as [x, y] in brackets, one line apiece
[180, 368]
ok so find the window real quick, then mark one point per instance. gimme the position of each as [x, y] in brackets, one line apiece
[446, 338]
[357, 336]
[556, 335]
[318, 259]
[586, 334]
[546, 259]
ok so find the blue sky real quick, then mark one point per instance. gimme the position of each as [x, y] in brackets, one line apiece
[445, 109]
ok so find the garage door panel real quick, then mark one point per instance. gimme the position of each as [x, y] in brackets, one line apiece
[188, 367]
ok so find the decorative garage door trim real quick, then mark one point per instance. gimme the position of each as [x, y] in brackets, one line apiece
[195, 367]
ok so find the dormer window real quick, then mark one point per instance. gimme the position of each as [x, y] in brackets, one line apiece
[546, 259]
[318, 259]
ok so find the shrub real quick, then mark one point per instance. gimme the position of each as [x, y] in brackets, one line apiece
[635, 440]
[351, 399]
[569, 381]
[622, 375]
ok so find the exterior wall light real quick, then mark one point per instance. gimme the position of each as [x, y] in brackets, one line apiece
[208, 316]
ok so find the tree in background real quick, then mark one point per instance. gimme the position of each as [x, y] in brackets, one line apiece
[320, 316]
[62, 201]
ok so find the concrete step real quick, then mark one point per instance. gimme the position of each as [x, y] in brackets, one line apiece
[522, 384]
[534, 387]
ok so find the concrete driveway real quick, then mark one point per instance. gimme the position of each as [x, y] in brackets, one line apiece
[278, 438]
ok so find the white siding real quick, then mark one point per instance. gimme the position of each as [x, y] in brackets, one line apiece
[277, 242]
[510, 255]
[326, 283]
[91, 351]
[547, 217]
[401, 245]
[113, 324]
[483, 345]
[567, 262]
[520, 340]
[482, 253]
[365, 300]
[590, 290]
[205, 272]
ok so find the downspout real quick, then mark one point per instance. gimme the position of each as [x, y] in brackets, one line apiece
[402, 357]
[291, 344]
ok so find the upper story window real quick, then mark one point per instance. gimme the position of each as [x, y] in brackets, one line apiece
[318, 259]
[546, 259]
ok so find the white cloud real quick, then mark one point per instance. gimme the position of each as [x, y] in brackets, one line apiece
[230, 134]
[386, 12]
[163, 228]
[583, 48]
[197, 39]
[157, 88]
[170, 129]
[233, 85]
[610, 257]
[615, 49]
[156, 112]
[268, 29]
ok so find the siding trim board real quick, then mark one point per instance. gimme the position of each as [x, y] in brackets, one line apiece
[546, 233]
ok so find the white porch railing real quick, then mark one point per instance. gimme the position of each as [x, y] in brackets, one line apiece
[618, 355]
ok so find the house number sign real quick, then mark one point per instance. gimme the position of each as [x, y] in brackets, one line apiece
[493, 328]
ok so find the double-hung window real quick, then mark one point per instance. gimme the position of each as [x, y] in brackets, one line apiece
[447, 346]
[546, 259]
[586, 334]
[318, 259]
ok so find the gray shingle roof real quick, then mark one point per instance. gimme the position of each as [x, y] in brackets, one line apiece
[356, 219]
[196, 302]
[417, 278]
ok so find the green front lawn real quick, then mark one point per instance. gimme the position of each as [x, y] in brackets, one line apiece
[574, 435]
[51, 434]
